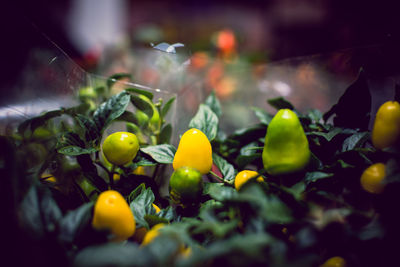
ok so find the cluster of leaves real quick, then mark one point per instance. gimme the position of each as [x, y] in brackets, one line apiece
[290, 220]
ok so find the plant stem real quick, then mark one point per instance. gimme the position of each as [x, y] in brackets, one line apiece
[218, 178]
[111, 177]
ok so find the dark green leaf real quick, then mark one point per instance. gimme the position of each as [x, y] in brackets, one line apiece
[168, 213]
[248, 153]
[355, 141]
[128, 117]
[114, 254]
[262, 115]
[89, 170]
[219, 192]
[76, 150]
[141, 206]
[167, 106]
[296, 190]
[280, 103]
[136, 192]
[353, 107]
[276, 211]
[115, 77]
[161, 153]
[206, 121]
[214, 104]
[70, 139]
[329, 135]
[165, 134]
[311, 177]
[147, 94]
[89, 126]
[39, 213]
[371, 231]
[315, 115]
[74, 222]
[154, 219]
[227, 169]
[141, 160]
[344, 165]
[142, 105]
[110, 110]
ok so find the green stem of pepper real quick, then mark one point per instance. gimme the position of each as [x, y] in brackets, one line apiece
[111, 177]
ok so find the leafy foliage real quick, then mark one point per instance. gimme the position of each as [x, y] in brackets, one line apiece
[300, 219]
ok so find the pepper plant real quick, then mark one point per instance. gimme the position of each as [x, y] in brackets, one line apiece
[53, 172]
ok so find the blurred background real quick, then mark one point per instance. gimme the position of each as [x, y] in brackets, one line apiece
[307, 51]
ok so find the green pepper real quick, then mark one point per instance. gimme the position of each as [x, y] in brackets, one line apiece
[286, 147]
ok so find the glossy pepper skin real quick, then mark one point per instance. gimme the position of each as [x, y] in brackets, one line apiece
[112, 212]
[372, 178]
[286, 147]
[194, 150]
[386, 129]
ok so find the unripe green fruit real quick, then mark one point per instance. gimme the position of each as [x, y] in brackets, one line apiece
[286, 147]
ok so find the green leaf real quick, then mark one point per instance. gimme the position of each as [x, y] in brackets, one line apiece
[312, 177]
[219, 192]
[262, 115]
[147, 94]
[276, 211]
[142, 160]
[141, 206]
[315, 115]
[128, 116]
[165, 134]
[167, 106]
[110, 110]
[355, 141]
[163, 153]
[76, 150]
[136, 192]
[206, 121]
[214, 104]
[296, 190]
[39, 120]
[89, 170]
[227, 169]
[248, 154]
[168, 213]
[114, 254]
[115, 77]
[154, 219]
[39, 212]
[353, 108]
[89, 126]
[344, 165]
[70, 139]
[74, 222]
[142, 105]
[329, 135]
[280, 103]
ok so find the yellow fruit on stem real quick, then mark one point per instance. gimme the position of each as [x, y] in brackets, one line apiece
[120, 148]
[194, 150]
[334, 262]
[112, 212]
[372, 178]
[152, 234]
[386, 129]
[246, 175]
